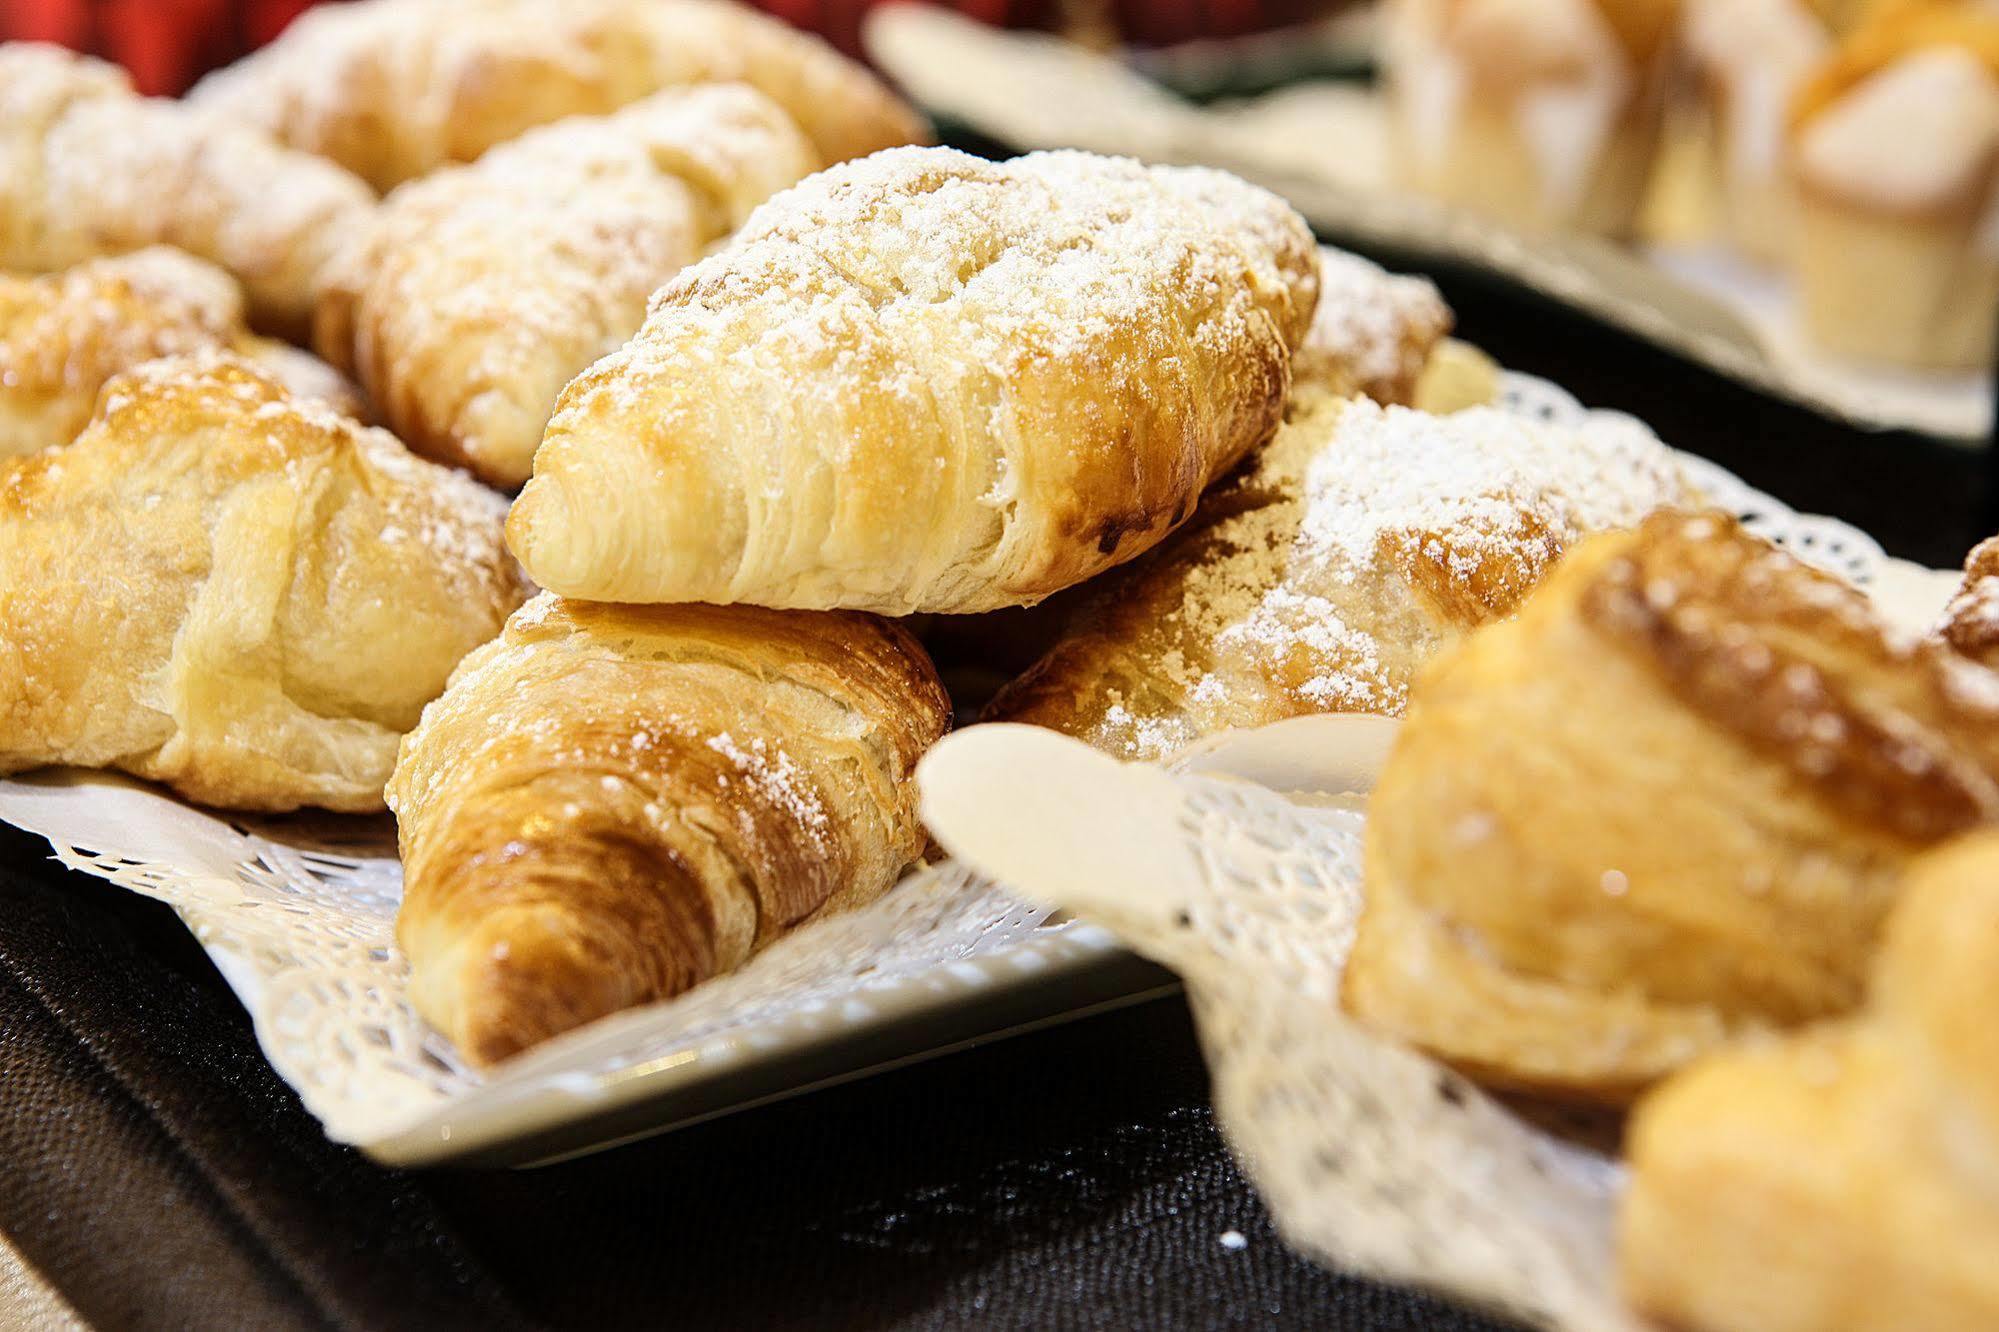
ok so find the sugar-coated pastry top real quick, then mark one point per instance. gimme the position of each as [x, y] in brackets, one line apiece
[474, 294]
[393, 89]
[923, 381]
[1364, 540]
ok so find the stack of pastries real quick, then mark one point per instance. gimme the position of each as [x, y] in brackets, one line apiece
[784, 393]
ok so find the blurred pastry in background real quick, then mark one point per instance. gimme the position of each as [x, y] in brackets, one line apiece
[63, 335]
[394, 89]
[1541, 113]
[473, 295]
[90, 168]
[1666, 806]
[1747, 59]
[1364, 541]
[1846, 1178]
[1896, 151]
[1971, 621]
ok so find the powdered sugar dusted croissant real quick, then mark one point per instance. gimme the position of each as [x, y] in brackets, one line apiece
[1362, 542]
[1847, 1177]
[89, 168]
[393, 89]
[234, 592]
[63, 335]
[477, 292]
[1666, 806]
[926, 382]
[1971, 621]
[613, 803]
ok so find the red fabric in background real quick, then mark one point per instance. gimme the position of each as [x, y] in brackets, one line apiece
[168, 44]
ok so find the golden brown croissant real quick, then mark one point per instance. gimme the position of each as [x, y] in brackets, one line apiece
[239, 594]
[612, 803]
[925, 382]
[393, 89]
[1362, 542]
[1665, 806]
[478, 292]
[64, 334]
[89, 168]
[1847, 1179]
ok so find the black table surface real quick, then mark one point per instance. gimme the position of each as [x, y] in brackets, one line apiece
[157, 1172]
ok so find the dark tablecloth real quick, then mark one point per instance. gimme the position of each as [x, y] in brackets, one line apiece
[159, 1174]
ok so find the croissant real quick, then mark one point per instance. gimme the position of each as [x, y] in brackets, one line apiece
[611, 804]
[1364, 541]
[1664, 807]
[234, 592]
[478, 292]
[1847, 1179]
[393, 89]
[91, 168]
[925, 382]
[64, 334]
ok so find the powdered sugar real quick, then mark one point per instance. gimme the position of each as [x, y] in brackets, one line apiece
[1373, 330]
[779, 779]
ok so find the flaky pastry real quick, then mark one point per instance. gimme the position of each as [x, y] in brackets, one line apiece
[90, 168]
[1971, 620]
[1847, 1179]
[393, 89]
[1373, 332]
[926, 382]
[239, 594]
[614, 803]
[63, 335]
[1665, 806]
[477, 292]
[1362, 542]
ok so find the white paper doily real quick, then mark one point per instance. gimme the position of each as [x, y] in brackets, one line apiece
[298, 914]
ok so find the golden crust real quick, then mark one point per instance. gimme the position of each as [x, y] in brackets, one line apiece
[1846, 1179]
[613, 803]
[479, 291]
[1666, 805]
[393, 89]
[924, 382]
[63, 335]
[239, 594]
[1373, 332]
[89, 168]
[1362, 542]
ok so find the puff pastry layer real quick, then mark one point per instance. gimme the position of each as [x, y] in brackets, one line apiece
[1666, 806]
[1844, 1180]
[926, 382]
[479, 291]
[234, 592]
[1362, 542]
[63, 335]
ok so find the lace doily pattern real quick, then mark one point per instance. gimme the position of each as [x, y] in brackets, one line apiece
[298, 914]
